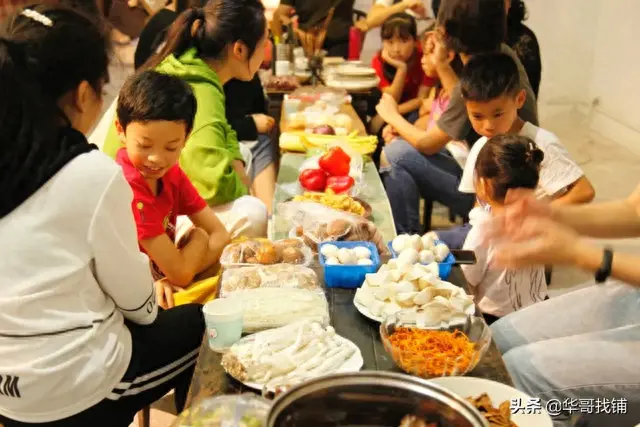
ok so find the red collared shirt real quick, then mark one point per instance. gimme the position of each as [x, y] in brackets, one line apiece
[156, 214]
[414, 79]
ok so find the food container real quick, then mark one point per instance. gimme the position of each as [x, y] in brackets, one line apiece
[348, 276]
[244, 410]
[370, 398]
[250, 252]
[444, 266]
[268, 276]
[475, 328]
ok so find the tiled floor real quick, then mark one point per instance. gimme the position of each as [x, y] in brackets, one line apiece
[613, 170]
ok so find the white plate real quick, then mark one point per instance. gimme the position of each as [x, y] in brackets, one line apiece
[366, 313]
[355, 71]
[498, 392]
[353, 364]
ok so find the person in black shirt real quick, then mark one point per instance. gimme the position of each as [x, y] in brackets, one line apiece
[246, 111]
[311, 13]
[523, 41]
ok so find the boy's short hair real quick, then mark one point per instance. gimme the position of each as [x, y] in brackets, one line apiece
[490, 76]
[152, 96]
[402, 24]
[473, 26]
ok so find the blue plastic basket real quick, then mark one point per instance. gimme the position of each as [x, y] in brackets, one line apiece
[348, 276]
[444, 266]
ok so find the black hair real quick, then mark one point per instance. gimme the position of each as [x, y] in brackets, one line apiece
[473, 26]
[151, 96]
[509, 161]
[517, 13]
[490, 76]
[402, 25]
[213, 27]
[45, 52]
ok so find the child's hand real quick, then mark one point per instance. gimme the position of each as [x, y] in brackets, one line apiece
[425, 108]
[399, 65]
[164, 294]
[440, 50]
[387, 107]
[389, 133]
[264, 123]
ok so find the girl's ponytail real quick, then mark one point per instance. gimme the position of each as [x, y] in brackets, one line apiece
[509, 161]
[180, 35]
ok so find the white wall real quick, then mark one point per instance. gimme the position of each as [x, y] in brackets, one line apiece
[566, 32]
[616, 70]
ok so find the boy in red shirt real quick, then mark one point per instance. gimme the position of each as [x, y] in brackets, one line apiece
[155, 115]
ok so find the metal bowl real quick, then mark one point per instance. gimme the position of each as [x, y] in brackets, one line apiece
[371, 399]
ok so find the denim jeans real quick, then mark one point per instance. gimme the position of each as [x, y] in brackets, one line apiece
[411, 175]
[581, 345]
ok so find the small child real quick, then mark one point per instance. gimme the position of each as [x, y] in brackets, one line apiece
[493, 94]
[504, 162]
[155, 115]
[398, 64]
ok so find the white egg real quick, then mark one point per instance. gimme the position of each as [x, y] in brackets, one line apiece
[329, 251]
[441, 252]
[365, 261]
[409, 255]
[332, 261]
[416, 242]
[428, 242]
[347, 256]
[362, 252]
[426, 257]
[400, 243]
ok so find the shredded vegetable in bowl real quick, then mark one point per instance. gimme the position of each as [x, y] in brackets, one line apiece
[225, 411]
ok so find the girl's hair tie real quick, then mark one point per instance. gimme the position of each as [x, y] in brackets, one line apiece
[38, 17]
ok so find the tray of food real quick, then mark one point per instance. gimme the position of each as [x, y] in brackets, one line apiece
[398, 286]
[268, 276]
[265, 252]
[423, 249]
[290, 355]
[341, 202]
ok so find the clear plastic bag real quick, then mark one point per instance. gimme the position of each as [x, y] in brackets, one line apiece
[267, 308]
[315, 223]
[245, 410]
[269, 276]
[265, 252]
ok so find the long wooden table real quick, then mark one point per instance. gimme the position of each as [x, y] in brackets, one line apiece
[210, 378]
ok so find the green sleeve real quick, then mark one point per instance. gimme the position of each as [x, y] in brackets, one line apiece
[207, 161]
[112, 142]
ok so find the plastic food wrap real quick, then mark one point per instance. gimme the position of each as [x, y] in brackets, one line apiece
[265, 252]
[315, 223]
[266, 308]
[269, 276]
[245, 410]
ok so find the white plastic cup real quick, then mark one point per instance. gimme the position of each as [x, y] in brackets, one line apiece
[223, 318]
[291, 106]
[283, 68]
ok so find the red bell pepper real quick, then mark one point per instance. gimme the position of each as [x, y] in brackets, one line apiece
[313, 179]
[335, 162]
[340, 184]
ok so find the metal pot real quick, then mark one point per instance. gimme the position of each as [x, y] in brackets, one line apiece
[371, 399]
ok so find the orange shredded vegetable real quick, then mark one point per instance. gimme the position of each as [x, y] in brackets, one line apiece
[429, 353]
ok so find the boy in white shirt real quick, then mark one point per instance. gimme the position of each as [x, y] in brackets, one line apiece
[491, 88]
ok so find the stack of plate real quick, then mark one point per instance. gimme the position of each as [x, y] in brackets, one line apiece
[351, 76]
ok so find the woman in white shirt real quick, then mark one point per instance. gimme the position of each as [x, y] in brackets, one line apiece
[504, 162]
[81, 340]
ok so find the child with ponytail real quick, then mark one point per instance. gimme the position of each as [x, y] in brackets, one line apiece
[503, 163]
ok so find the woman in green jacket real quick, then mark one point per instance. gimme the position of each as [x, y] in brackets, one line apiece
[207, 47]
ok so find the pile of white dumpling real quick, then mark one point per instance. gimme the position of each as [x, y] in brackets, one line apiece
[423, 249]
[418, 287]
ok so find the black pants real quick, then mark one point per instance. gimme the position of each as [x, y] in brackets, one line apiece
[164, 357]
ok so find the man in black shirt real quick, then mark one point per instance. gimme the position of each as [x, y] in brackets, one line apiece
[312, 13]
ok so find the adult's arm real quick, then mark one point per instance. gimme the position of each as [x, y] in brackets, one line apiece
[618, 219]
[381, 10]
[282, 16]
[624, 267]
[121, 270]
